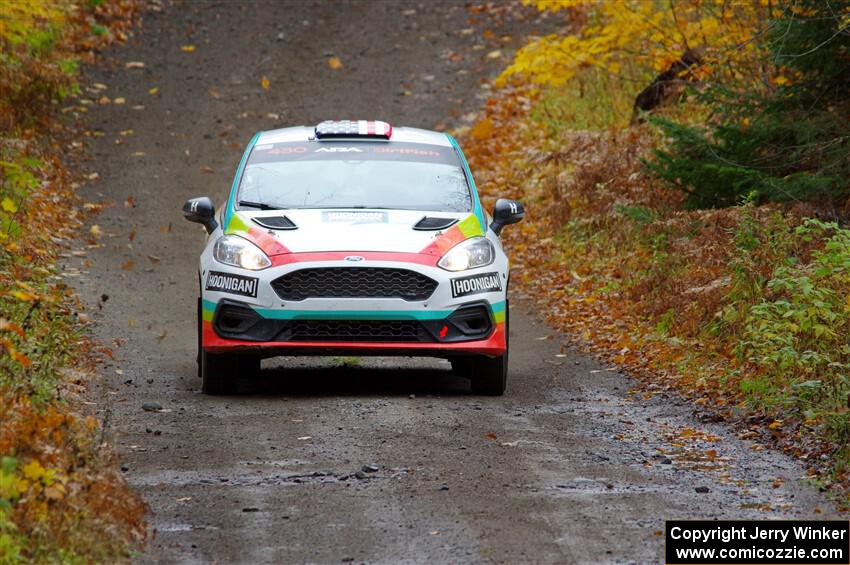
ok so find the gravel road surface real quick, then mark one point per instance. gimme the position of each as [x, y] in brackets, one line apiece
[357, 459]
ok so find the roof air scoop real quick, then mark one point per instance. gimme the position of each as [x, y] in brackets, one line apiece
[428, 224]
[275, 222]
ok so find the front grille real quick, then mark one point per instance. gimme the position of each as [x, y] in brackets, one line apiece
[354, 282]
[355, 330]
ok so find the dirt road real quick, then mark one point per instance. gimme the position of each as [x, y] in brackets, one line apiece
[569, 466]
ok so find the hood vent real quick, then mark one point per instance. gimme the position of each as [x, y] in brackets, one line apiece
[275, 222]
[427, 223]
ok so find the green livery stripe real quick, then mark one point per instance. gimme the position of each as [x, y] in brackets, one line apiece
[236, 225]
[498, 310]
[471, 227]
[208, 310]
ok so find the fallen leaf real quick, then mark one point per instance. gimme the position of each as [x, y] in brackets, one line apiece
[128, 266]
[154, 259]
[6, 325]
[265, 83]
[207, 169]
[187, 48]
[214, 92]
[491, 435]
[130, 202]
[134, 65]
[494, 54]
[153, 90]
[95, 231]
[334, 63]
[8, 205]
[119, 100]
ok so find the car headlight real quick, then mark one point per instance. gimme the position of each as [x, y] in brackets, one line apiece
[474, 252]
[239, 252]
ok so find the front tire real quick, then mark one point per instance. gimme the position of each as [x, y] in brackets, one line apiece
[220, 372]
[490, 375]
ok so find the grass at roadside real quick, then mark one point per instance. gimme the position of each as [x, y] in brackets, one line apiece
[61, 498]
[745, 310]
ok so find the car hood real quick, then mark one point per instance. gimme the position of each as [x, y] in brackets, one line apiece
[348, 230]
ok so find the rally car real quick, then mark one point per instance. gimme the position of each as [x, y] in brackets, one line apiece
[354, 238]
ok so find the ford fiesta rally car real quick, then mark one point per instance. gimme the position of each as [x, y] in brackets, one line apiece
[353, 237]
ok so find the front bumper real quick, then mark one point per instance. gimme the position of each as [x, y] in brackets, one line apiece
[471, 328]
[442, 325]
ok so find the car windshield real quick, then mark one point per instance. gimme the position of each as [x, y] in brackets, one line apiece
[355, 174]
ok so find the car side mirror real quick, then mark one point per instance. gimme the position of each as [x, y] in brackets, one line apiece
[201, 211]
[506, 212]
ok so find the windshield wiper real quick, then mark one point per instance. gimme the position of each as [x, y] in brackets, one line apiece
[260, 205]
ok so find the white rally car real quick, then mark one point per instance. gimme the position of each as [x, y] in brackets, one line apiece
[354, 238]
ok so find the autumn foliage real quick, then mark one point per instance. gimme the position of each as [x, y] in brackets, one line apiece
[745, 309]
[61, 499]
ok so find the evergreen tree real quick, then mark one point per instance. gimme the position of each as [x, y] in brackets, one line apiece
[790, 142]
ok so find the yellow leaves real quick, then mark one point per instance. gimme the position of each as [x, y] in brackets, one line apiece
[153, 90]
[35, 481]
[334, 63]
[632, 37]
[265, 83]
[781, 80]
[555, 5]
[23, 296]
[775, 425]
[9, 205]
[20, 20]
[95, 231]
[187, 48]
[34, 471]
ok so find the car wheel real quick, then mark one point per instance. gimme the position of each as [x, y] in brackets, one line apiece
[490, 375]
[220, 372]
